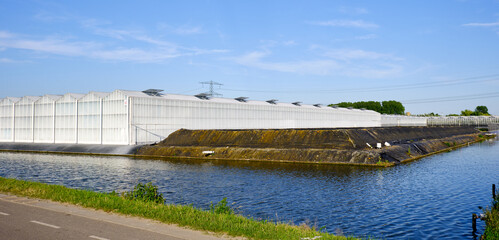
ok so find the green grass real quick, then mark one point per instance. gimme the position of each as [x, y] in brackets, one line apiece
[492, 221]
[221, 221]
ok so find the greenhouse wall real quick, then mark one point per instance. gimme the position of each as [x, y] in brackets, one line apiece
[44, 119]
[150, 120]
[401, 120]
[115, 121]
[90, 118]
[23, 122]
[66, 112]
[154, 118]
[7, 119]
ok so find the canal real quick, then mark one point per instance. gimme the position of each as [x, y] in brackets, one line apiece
[427, 199]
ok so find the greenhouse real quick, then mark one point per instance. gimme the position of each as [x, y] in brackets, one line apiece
[134, 117]
[402, 120]
[477, 121]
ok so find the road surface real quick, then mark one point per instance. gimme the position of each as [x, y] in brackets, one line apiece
[24, 218]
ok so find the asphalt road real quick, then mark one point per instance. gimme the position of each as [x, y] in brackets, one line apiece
[23, 218]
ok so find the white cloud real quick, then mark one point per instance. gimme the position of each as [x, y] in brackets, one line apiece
[114, 33]
[135, 35]
[7, 60]
[49, 17]
[134, 55]
[150, 49]
[96, 27]
[266, 44]
[188, 30]
[492, 24]
[93, 23]
[181, 30]
[357, 54]
[4, 34]
[316, 67]
[353, 11]
[54, 46]
[352, 63]
[366, 37]
[377, 71]
[346, 23]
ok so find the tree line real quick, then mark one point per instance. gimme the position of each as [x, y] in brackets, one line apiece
[479, 111]
[384, 107]
[395, 107]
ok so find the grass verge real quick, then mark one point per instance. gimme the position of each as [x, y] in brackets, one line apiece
[492, 221]
[188, 216]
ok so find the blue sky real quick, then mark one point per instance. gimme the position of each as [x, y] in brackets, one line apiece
[434, 56]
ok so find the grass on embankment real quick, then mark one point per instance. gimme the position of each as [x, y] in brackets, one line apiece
[230, 224]
[492, 221]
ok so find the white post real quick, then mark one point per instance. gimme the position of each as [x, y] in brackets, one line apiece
[128, 121]
[13, 133]
[33, 122]
[76, 120]
[100, 123]
[53, 122]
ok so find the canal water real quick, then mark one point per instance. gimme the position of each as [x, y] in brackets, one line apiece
[432, 198]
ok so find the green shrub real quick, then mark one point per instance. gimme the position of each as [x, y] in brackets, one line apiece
[144, 192]
[221, 207]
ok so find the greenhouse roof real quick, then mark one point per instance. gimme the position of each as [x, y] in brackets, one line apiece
[141, 94]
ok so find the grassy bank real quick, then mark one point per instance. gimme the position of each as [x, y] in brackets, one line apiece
[218, 222]
[492, 221]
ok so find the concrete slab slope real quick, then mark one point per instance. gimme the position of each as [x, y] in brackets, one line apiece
[71, 148]
[343, 145]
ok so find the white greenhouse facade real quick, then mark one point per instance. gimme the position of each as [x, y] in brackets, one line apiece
[133, 117]
[402, 121]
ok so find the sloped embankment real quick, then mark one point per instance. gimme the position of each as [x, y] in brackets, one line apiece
[346, 145]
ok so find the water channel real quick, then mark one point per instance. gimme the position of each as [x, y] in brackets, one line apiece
[427, 199]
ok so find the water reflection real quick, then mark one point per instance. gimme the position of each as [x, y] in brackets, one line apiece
[430, 198]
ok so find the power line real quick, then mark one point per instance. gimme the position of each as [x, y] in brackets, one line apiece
[452, 98]
[191, 90]
[469, 80]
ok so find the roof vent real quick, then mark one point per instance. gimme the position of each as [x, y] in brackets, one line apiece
[153, 92]
[272, 101]
[241, 99]
[203, 96]
[317, 105]
[297, 103]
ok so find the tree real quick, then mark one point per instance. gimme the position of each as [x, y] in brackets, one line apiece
[432, 114]
[393, 107]
[467, 112]
[371, 105]
[344, 104]
[387, 107]
[481, 110]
